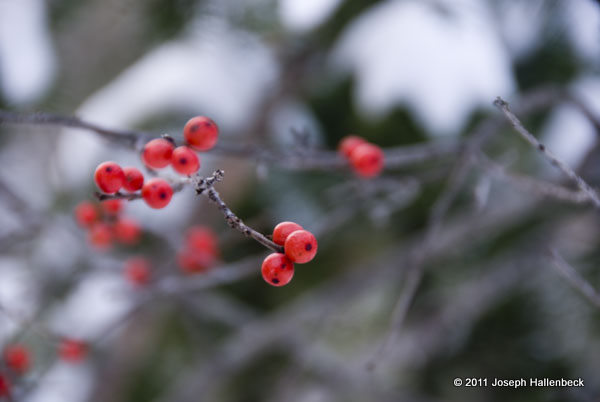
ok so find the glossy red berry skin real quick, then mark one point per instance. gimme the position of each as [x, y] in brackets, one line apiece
[185, 161]
[5, 387]
[283, 230]
[109, 177]
[349, 143]
[277, 269]
[157, 193]
[127, 231]
[72, 351]
[86, 214]
[134, 179]
[17, 358]
[137, 271]
[100, 236]
[300, 246]
[367, 160]
[201, 133]
[157, 153]
[112, 207]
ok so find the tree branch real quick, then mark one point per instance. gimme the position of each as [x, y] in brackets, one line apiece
[574, 279]
[518, 126]
[205, 187]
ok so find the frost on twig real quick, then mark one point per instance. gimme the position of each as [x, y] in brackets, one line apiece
[518, 126]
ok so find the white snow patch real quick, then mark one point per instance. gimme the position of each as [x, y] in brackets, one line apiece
[442, 66]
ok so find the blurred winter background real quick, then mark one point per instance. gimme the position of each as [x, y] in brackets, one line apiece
[397, 72]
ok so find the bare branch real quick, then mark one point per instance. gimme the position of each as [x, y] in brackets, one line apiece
[518, 126]
[205, 187]
[531, 184]
[129, 138]
[575, 279]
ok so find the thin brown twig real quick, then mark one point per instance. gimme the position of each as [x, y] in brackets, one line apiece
[205, 186]
[518, 126]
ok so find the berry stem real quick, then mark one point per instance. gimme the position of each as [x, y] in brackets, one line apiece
[178, 186]
[205, 186]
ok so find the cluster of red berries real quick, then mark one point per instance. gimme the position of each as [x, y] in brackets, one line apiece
[366, 159]
[200, 251]
[17, 359]
[200, 134]
[105, 224]
[299, 246]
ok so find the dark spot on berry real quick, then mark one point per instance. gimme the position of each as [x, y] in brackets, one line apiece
[162, 195]
[275, 280]
[109, 169]
[308, 247]
[194, 127]
[283, 266]
[207, 124]
[183, 161]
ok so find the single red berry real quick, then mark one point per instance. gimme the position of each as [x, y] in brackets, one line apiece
[367, 160]
[194, 262]
[100, 236]
[349, 143]
[17, 358]
[86, 214]
[300, 246]
[137, 271]
[127, 231]
[134, 179]
[202, 239]
[157, 193]
[282, 231]
[109, 177]
[4, 386]
[185, 161]
[277, 269]
[112, 207]
[201, 133]
[157, 153]
[72, 351]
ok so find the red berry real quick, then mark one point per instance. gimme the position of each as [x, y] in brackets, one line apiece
[16, 357]
[349, 143]
[109, 177]
[86, 214]
[4, 386]
[202, 239]
[367, 160]
[300, 246]
[127, 231]
[277, 269]
[112, 207]
[194, 262]
[134, 179]
[282, 231]
[72, 351]
[157, 193]
[100, 236]
[157, 153]
[201, 133]
[137, 271]
[185, 161]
